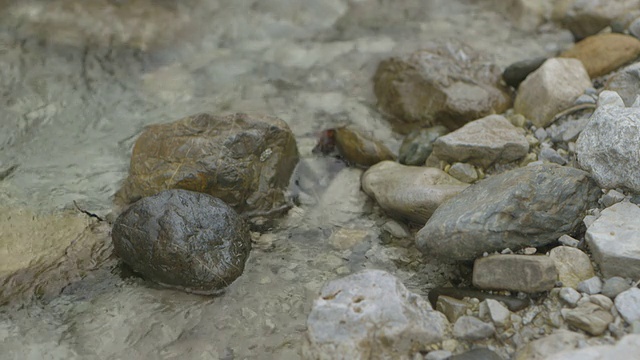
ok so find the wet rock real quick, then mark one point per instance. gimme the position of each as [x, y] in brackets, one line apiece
[628, 304]
[607, 146]
[452, 308]
[550, 89]
[463, 172]
[590, 286]
[409, 192]
[543, 348]
[483, 142]
[626, 83]
[370, 312]
[471, 329]
[588, 317]
[515, 273]
[515, 73]
[614, 286]
[613, 240]
[601, 54]
[354, 146]
[573, 265]
[494, 311]
[569, 295]
[417, 146]
[446, 84]
[183, 239]
[627, 348]
[42, 254]
[585, 18]
[529, 206]
[246, 161]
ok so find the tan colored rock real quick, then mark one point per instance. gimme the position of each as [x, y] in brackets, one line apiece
[344, 238]
[482, 142]
[573, 265]
[515, 273]
[601, 54]
[354, 146]
[541, 349]
[550, 89]
[409, 192]
[444, 84]
[587, 17]
[41, 254]
[246, 161]
[588, 317]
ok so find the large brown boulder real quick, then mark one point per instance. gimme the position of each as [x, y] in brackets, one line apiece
[244, 160]
[444, 84]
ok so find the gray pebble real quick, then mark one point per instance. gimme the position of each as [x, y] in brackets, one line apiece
[614, 286]
[585, 99]
[438, 355]
[591, 286]
[568, 241]
[634, 28]
[550, 155]
[569, 295]
[541, 134]
[611, 197]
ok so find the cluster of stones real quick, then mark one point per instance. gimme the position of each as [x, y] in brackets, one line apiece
[492, 185]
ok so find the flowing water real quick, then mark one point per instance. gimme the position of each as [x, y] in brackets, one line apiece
[80, 79]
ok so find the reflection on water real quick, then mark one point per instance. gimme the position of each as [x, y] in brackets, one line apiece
[79, 80]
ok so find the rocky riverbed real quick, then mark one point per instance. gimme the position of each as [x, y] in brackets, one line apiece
[506, 228]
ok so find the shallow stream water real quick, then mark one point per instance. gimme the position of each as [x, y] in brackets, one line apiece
[79, 81]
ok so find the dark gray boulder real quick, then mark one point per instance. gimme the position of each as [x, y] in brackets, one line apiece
[183, 239]
[530, 206]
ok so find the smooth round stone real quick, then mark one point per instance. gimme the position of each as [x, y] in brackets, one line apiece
[634, 28]
[183, 239]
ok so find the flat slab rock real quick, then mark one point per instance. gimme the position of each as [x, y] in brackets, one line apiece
[530, 206]
[370, 315]
[524, 273]
[409, 192]
[608, 146]
[482, 142]
[614, 240]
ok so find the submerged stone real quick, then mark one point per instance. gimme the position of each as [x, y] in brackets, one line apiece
[183, 239]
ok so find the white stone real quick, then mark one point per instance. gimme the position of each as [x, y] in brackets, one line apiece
[541, 349]
[608, 146]
[550, 89]
[567, 240]
[471, 329]
[590, 286]
[628, 305]
[569, 295]
[614, 240]
[494, 310]
[370, 312]
[482, 142]
[627, 348]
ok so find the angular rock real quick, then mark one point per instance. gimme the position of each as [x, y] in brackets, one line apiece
[529, 206]
[614, 286]
[483, 142]
[611, 197]
[464, 172]
[472, 329]
[590, 286]
[183, 239]
[626, 83]
[417, 146]
[569, 295]
[246, 161]
[370, 312]
[588, 317]
[448, 84]
[627, 348]
[614, 240]
[515, 73]
[628, 304]
[601, 54]
[543, 348]
[550, 89]
[573, 265]
[495, 311]
[409, 192]
[587, 17]
[608, 146]
[452, 308]
[515, 273]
